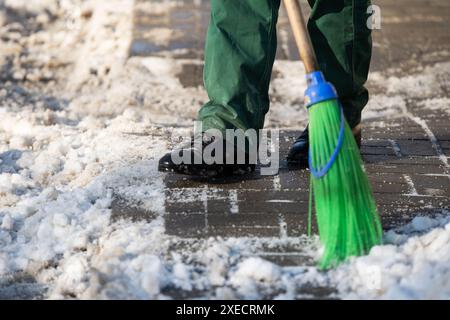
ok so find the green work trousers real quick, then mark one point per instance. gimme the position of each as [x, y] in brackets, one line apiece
[240, 51]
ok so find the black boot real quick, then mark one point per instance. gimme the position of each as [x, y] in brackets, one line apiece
[191, 168]
[298, 154]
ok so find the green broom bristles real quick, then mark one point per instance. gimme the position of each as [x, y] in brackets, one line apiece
[346, 212]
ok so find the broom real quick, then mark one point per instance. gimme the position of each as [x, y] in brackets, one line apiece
[346, 211]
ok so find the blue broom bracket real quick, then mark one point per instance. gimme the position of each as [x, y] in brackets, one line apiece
[321, 172]
[319, 90]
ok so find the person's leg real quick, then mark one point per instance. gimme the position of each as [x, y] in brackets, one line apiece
[343, 45]
[239, 55]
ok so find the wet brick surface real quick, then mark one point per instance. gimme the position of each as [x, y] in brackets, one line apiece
[406, 163]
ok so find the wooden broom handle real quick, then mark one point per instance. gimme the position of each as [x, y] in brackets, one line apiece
[301, 35]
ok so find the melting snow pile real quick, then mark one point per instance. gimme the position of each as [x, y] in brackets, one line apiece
[413, 264]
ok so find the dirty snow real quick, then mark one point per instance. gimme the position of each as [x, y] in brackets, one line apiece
[81, 124]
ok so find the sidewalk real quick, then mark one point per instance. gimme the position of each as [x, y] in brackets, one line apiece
[84, 213]
[406, 154]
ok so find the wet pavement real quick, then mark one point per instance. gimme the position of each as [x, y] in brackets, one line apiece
[407, 164]
[412, 32]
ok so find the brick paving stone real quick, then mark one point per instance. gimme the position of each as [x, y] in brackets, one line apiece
[406, 168]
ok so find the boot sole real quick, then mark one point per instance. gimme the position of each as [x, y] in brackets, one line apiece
[208, 172]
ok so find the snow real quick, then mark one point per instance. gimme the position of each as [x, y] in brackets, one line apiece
[412, 267]
[252, 271]
[257, 270]
[64, 160]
